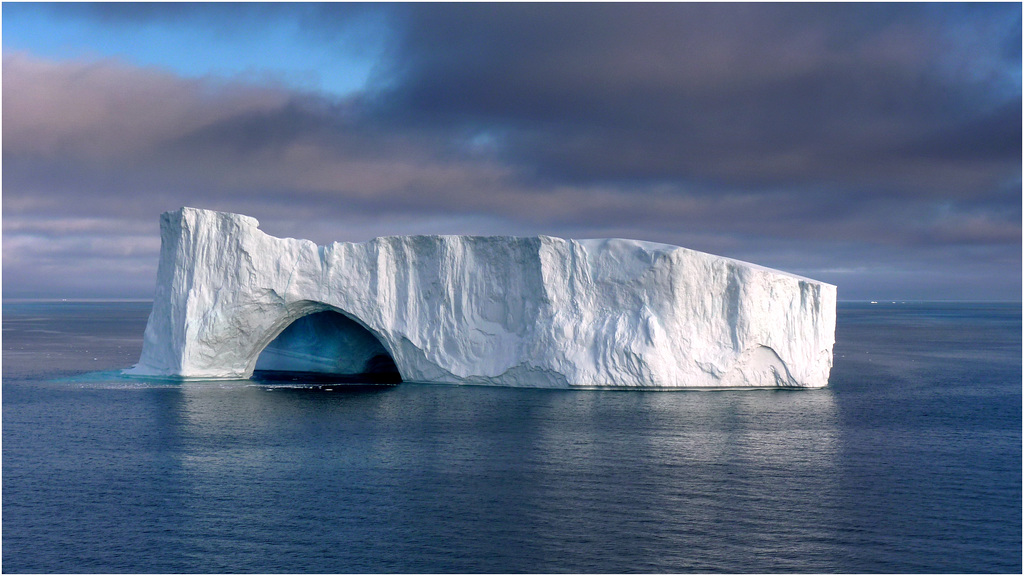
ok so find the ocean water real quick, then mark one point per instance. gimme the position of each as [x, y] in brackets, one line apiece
[910, 461]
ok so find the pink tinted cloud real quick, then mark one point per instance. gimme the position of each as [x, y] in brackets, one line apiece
[107, 109]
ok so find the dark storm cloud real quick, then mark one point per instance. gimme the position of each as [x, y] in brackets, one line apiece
[752, 95]
[994, 136]
[843, 142]
[214, 14]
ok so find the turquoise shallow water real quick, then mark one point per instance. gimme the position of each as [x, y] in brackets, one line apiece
[910, 461]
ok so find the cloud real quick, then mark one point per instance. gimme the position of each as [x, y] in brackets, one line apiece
[750, 95]
[94, 110]
[813, 138]
[78, 257]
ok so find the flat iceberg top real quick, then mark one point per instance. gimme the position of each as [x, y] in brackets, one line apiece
[495, 310]
[594, 244]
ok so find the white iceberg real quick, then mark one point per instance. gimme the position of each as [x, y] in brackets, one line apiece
[502, 311]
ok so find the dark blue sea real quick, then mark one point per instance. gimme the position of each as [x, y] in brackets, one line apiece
[910, 461]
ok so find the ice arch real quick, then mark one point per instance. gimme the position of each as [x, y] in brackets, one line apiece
[330, 344]
[504, 311]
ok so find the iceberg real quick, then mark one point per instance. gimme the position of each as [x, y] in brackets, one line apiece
[485, 310]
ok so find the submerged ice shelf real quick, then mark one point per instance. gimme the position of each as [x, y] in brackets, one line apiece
[503, 311]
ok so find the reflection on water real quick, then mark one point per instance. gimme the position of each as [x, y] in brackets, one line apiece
[530, 479]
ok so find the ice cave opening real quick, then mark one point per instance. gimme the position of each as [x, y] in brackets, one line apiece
[325, 348]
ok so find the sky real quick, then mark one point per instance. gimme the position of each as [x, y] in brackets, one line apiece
[876, 147]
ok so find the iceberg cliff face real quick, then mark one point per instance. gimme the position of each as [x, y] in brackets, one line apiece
[505, 311]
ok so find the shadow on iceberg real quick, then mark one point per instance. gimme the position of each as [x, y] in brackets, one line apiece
[326, 348]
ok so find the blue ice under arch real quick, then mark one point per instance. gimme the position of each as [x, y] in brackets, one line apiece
[326, 345]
